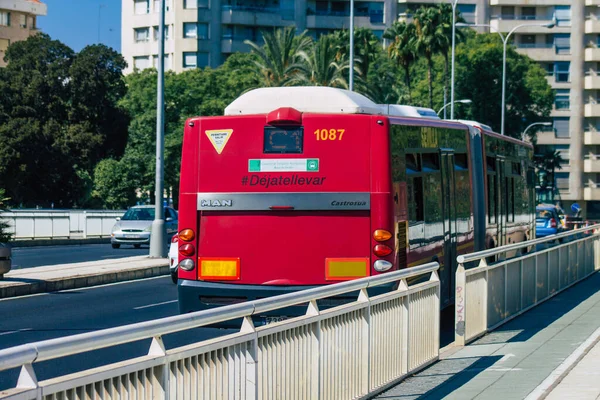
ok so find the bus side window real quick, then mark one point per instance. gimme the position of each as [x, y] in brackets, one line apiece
[492, 192]
[415, 199]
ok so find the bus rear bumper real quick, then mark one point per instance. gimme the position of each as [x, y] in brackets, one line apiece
[201, 295]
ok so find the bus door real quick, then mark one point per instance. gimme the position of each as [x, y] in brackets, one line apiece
[501, 201]
[449, 218]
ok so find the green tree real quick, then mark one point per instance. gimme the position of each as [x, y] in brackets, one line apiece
[479, 78]
[111, 185]
[5, 236]
[402, 49]
[429, 40]
[57, 119]
[321, 68]
[278, 60]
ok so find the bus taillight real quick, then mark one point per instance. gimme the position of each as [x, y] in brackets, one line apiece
[187, 235]
[381, 250]
[187, 250]
[381, 235]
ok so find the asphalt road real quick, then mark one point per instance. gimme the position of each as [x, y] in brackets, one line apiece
[27, 257]
[47, 316]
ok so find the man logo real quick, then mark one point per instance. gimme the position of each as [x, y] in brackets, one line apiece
[216, 203]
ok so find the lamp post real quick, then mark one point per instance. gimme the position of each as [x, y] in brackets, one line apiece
[463, 101]
[505, 43]
[351, 83]
[534, 124]
[454, 4]
[158, 246]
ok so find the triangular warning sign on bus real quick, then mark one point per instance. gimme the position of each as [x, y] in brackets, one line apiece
[219, 138]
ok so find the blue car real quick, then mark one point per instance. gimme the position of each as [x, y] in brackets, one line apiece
[547, 221]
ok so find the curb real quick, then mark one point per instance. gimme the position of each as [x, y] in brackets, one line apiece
[57, 242]
[76, 282]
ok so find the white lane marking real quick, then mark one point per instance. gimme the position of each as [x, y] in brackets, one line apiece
[506, 357]
[86, 288]
[11, 332]
[154, 305]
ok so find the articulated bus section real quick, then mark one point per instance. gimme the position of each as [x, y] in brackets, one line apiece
[298, 187]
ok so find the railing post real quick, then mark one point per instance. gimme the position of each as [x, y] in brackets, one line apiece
[363, 297]
[597, 253]
[252, 363]
[405, 333]
[460, 312]
[85, 224]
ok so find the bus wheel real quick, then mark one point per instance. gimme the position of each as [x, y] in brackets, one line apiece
[115, 245]
[137, 246]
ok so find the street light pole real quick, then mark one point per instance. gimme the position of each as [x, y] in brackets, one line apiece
[454, 4]
[464, 101]
[534, 124]
[158, 247]
[505, 43]
[351, 83]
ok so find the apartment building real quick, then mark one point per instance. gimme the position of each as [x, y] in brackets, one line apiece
[203, 33]
[18, 21]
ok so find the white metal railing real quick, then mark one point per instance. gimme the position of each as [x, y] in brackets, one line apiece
[348, 351]
[55, 224]
[489, 295]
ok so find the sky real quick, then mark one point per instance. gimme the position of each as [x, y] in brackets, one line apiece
[76, 22]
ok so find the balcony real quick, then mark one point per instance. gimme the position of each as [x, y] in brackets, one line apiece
[25, 6]
[592, 80]
[541, 52]
[256, 15]
[506, 23]
[592, 192]
[341, 19]
[234, 45]
[592, 110]
[549, 137]
[592, 2]
[591, 138]
[591, 163]
[592, 54]
[592, 25]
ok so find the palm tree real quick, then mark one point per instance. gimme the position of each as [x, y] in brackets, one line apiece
[445, 25]
[401, 49]
[366, 46]
[279, 59]
[429, 39]
[321, 68]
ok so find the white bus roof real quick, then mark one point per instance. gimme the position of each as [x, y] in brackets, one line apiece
[315, 99]
[475, 124]
[397, 110]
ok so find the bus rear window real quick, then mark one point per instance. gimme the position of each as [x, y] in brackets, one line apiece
[283, 140]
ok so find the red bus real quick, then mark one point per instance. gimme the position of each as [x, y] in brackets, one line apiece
[304, 186]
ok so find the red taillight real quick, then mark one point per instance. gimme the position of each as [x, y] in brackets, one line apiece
[174, 239]
[381, 250]
[187, 250]
[552, 223]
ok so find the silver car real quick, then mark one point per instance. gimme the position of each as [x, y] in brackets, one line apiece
[135, 226]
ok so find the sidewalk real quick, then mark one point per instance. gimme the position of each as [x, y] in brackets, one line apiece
[27, 281]
[519, 357]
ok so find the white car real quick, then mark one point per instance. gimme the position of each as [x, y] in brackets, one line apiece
[173, 257]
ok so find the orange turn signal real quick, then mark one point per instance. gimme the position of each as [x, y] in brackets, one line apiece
[187, 235]
[381, 235]
[381, 250]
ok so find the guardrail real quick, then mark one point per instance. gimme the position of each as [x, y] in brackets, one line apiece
[348, 351]
[63, 224]
[488, 296]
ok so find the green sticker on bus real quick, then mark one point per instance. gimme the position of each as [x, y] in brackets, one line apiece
[284, 165]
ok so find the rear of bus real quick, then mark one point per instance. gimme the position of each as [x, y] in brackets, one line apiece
[282, 201]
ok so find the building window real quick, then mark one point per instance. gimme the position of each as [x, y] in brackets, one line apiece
[562, 43]
[561, 127]
[167, 61]
[468, 12]
[562, 14]
[527, 41]
[561, 99]
[190, 30]
[157, 5]
[23, 21]
[4, 43]
[166, 32]
[141, 34]
[562, 180]
[561, 71]
[528, 13]
[549, 67]
[507, 12]
[141, 62]
[141, 7]
[227, 32]
[32, 23]
[4, 18]
[203, 31]
[190, 60]
[190, 3]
